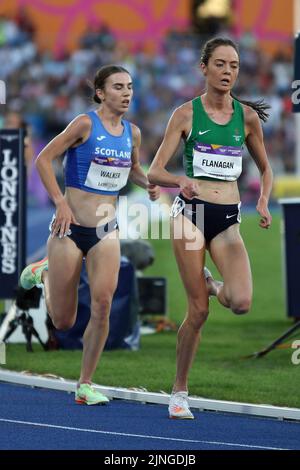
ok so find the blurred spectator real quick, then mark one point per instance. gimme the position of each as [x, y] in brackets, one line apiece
[24, 23]
[99, 37]
[14, 120]
[50, 91]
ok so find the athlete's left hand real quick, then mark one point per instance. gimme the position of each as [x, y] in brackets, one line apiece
[262, 209]
[153, 191]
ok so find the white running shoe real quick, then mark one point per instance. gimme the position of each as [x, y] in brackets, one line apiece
[179, 407]
[213, 285]
[207, 273]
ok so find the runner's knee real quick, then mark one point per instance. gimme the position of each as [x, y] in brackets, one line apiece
[100, 308]
[241, 305]
[63, 323]
[198, 313]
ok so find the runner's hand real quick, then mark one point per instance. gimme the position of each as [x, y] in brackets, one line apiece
[153, 191]
[188, 187]
[262, 209]
[63, 218]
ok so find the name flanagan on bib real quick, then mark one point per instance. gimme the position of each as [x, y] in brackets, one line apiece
[9, 205]
[217, 164]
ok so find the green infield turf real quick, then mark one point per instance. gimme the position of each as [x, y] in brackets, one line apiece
[219, 370]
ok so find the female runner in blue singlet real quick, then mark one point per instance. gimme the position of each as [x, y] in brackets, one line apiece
[102, 152]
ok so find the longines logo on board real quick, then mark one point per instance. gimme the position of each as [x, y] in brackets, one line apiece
[9, 174]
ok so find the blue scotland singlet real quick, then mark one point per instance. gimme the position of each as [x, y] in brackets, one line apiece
[101, 164]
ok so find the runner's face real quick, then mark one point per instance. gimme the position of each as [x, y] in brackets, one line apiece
[222, 69]
[117, 92]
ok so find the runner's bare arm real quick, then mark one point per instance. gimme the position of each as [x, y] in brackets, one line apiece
[74, 133]
[158, 174]
[256, 147]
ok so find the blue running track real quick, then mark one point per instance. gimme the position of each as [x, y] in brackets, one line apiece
[40, 419]
[33, 418]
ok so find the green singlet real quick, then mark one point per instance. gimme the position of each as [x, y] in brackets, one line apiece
[214, 151]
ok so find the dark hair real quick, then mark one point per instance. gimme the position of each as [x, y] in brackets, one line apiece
[259, 106]
[102, 75]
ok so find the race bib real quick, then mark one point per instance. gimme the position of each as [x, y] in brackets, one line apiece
[177, 207]
[217, 161]
[108, 173]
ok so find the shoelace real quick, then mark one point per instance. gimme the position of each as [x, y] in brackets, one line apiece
[181, 400]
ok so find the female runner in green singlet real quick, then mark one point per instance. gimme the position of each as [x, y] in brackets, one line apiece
[214, 127]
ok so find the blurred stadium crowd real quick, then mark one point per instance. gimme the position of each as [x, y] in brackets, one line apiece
[50, 91]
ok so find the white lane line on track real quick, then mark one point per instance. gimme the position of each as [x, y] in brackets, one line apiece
[142, 436]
